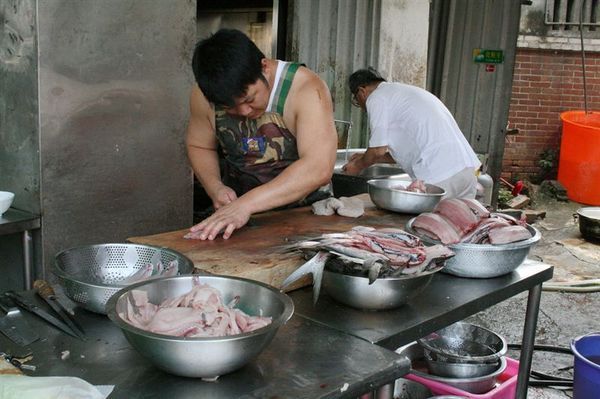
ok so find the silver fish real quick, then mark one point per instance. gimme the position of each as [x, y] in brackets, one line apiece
[314, 266]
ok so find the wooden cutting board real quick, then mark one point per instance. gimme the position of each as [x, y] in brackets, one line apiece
[255, 251]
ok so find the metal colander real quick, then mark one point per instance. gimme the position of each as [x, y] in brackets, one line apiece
[90, 275]
[484, 260]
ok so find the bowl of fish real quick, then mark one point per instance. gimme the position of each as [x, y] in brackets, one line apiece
[485, 244]
[199, 326]
[91, 274]
[381, 294]
[368, 268]
[402, 195]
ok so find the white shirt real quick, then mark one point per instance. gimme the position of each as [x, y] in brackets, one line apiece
[421, 134]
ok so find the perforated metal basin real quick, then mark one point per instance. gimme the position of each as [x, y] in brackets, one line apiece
[484, 260]
[91, 274]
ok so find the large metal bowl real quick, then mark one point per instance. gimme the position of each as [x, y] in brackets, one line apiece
[384, 293]
[91, 274]
[463, 342]
[484, 260]
[204, 357]
[389, 194]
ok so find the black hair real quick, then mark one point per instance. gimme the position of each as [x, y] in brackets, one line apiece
[224, 64]
[363, 77]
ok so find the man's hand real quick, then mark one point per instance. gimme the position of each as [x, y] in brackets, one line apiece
[223, 196]
[226, 219]
[355, 165]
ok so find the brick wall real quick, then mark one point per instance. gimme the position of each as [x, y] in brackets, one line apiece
[546, 83]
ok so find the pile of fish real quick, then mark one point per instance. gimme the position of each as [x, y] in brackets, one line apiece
[199, 313]
[468, 221]
[150, 271]
[366, 252]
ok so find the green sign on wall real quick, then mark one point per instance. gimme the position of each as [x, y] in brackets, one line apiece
[484, 56]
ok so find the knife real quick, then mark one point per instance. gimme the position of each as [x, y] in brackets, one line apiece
[14, 325]
[46, 291]
[36, 310]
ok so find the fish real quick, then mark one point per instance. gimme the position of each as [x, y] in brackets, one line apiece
[314, 266]
[365, 252]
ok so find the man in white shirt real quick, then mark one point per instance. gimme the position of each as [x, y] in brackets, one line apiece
[413, 128]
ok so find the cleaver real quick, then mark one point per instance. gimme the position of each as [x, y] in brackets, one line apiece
[14, 325]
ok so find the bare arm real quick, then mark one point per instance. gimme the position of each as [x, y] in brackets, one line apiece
[201, 145]
[309, 112]
[371, 156]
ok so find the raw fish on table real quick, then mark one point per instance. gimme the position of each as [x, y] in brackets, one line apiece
[366, 252]
[468, 221]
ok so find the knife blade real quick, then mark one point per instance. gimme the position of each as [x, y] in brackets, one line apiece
[36, 310]
[46, 292]
[14, 325]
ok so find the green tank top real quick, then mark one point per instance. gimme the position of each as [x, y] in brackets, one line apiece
[255, 151]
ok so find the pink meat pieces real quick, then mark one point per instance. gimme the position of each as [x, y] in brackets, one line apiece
[417, 186]
[508, 234]
[480, 234]
[476, 207]
[198, 313]
[458, 214]
[436, 227]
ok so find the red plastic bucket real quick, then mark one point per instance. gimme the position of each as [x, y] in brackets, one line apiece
[586, 377]
[579, 161]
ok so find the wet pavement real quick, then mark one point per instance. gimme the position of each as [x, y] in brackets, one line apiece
[565, 311]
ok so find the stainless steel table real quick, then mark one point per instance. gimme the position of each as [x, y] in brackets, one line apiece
[16, 221]
[305, 360]
[446, 300]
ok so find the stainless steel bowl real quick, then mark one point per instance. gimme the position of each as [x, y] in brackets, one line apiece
[484, 260]
[464, 342]
[460, 370]
[477, 385]
[389, 194]
[205, 357]
[91, 274]
[384, 293]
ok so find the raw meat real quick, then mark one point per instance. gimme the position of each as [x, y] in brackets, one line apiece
[458, 213]
[508, 234]
[437, 227]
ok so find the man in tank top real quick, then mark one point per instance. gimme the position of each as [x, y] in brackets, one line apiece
[268, 121]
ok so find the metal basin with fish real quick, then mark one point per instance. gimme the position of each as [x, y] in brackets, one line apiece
[204, 357]
[484, 260]
[382, 294]
[390, 194]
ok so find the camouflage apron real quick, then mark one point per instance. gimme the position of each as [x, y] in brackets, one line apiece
[255, 151]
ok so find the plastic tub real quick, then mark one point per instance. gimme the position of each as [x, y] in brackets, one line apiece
[586, 376]
[506, 388]
[579, 160]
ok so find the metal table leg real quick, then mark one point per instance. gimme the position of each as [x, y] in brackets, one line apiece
[27, 261]
[531, 315]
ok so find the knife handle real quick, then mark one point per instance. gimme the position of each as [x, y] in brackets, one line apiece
[44, 289]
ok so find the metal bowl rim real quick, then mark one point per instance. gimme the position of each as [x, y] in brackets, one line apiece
[501, 368]
[403, 277]
[471, 359]
[373, 183]
[481, 247]
[288, 311]
[61, 273]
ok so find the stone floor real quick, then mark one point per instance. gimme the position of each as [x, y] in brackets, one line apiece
[563, 315]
